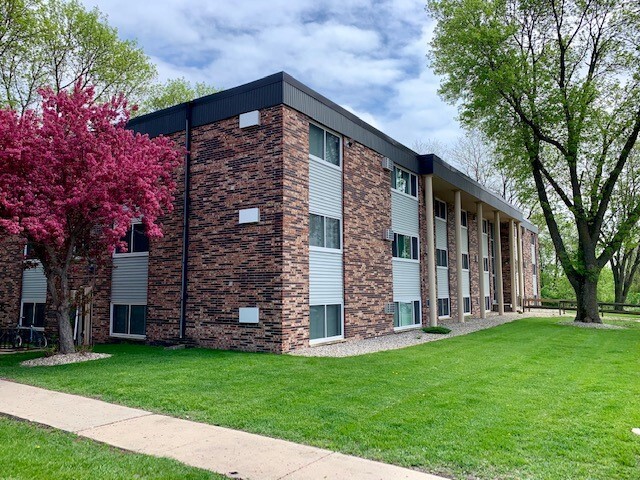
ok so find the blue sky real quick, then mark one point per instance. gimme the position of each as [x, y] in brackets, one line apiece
[368, 56]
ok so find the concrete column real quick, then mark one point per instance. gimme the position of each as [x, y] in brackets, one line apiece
[458, 226]
[498, 245]
[520, 267]
[513, 261]
[431, 250]
[479, 215]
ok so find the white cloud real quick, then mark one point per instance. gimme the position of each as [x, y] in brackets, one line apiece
[369, 57]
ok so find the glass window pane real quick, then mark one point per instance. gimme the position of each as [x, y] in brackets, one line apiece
[405, 314]
[404, 246]
[334, 320]
[120, 317]
[333, 149]
[27, 314]
[316, 322]
[126, 239]
[414, 185]
[414, 248]
[394, 246]
[140, 240]
[333, 232]
[138, 320]
[396, 315]
[316, 141]
[38, 318]
[401, 182]
[316, 230]
[416, 313]
[393, 177]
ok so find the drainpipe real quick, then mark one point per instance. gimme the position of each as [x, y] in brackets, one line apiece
[185, 223]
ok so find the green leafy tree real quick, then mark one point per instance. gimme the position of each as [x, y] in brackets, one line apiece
[56, 43]
[556, 85]
[173, 92]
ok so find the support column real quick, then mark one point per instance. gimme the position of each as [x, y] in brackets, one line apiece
[458, 226]
[479, 215]
[431, 251]
[520, 267]
[513, 257]
[498, 246]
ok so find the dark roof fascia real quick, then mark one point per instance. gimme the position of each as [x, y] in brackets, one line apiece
[432, 164]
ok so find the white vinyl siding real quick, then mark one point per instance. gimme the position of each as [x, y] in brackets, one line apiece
[34, 285]
[325, 189]
[325, 278]
[129, 279]
[404, 214]
[406, 280]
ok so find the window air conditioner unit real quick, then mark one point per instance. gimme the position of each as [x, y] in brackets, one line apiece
[390, 308]
[388, 235]
[387, 164]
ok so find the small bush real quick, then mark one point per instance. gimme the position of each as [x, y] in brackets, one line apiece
[437, 330]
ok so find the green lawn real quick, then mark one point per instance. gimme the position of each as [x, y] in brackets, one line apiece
[529, 399]
[33, 452]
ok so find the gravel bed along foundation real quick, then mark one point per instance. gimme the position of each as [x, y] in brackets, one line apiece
[413, 337]
[61, 359]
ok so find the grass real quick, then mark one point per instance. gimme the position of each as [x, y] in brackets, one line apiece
[528, 400]
[33, 452]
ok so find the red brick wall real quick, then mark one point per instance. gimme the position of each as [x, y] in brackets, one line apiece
[10, 280]
[475, 263]
[368, 274]
[453, 261]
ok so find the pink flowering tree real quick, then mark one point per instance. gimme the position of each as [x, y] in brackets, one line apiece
[72, 178]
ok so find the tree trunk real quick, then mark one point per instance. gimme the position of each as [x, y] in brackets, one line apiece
[61, 298]
[587, 297]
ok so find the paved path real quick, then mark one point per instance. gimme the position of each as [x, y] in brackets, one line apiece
[229, 452]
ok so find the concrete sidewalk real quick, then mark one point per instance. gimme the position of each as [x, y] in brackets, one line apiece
[229, 452]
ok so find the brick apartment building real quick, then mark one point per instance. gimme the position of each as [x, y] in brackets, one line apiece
[297, 223]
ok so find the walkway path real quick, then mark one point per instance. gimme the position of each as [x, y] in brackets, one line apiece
[229, 452]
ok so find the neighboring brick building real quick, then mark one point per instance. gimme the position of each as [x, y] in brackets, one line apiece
[303, 225]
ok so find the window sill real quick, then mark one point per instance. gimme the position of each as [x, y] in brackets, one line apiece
[407, 328]
[325, 341]
[128, 336]
[322, 161]
[130, 254]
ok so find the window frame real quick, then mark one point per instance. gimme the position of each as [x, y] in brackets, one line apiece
[464, 219]
[414, 252]
[413, 178]
[439, 254]
[316, 341]
[436, 206]
[134, 336]
[35, 303]
[465, 301]
[417, 315]
[130, 231]
[324, 146]
[324, 224]
[448, 304]
[465, 268]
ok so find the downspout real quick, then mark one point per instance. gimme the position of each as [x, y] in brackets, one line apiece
[185, 223]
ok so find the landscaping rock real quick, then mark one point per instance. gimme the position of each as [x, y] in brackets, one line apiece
[61, 359]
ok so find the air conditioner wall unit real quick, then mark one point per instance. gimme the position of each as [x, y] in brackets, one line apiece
[387, 163]
[388, 235]
[390, 308]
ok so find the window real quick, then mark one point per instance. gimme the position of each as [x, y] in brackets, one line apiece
[441, 258]
[325, 321]
[466, 304]
[465, 261]
[485, 263]
[533, 239]
[404, 181]
[463, 218]
[136, 240]
[324, 145]
[32, 314]
[407, 314]
[129, 320]
[534, 267]
[487, 303]
[440, 209]
[405, 246]
[443, 307]
[324, 232]
[485, 226]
